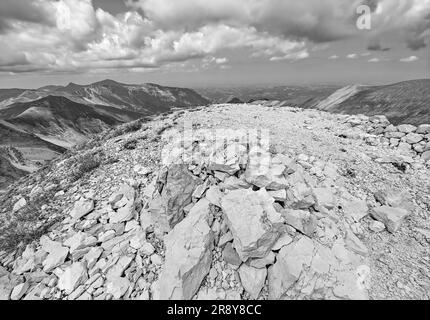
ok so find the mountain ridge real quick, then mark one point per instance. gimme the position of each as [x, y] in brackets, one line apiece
[401, 102]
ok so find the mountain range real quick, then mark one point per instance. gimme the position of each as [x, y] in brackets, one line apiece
[403, 102]
[39, 124]
[36, 125]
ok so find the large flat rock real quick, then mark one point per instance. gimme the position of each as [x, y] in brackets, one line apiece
[253, 221]
[188, 256]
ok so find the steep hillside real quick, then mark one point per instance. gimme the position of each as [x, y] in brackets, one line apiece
[62, 121]
[8, 172]
[22, 152]
[404, 102]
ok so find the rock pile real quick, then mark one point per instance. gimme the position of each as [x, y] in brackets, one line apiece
[410, 140]
[218, 221]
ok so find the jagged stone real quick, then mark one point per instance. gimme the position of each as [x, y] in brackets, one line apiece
[355, 244]
[118, 269]
[214, 195]
[72, 277]
[423, 129]
[413, 138]
[82, 208]
[106, 236]
[267, 175]
[394, 135]
[230, 255]
[156, 259]
[406, 128]
[21, 203]
[391, 217]
[117, 286]
[252, 279]
[228, 159]
[57, 255]
[19, 291]
[299, 196]
[355, 208]
[278, 195]
[324, 197]
[377, 226]
[123, 214]
[233, 183]
[225, 238]
[253, 221]
[176, 195]
[301, 220]
[188, 255]
[263, 262]
[200, 190]
[80, 240]
[284, 240]
[92, 256]
[394, 197]
[290, 262]
[426, 156]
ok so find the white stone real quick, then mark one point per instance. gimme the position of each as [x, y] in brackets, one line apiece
[72, 277]
[252, 279]
[80, 240]
[355, 208]
[391, 217]
[188, 256]
[284, 240]
[253, 221]
[377, 226]
[19, 291]
[82, 208]
[117, 286]
[21, 203]
[57, 255]
[324, 198]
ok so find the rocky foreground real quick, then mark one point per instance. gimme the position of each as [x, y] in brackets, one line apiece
[323, 207]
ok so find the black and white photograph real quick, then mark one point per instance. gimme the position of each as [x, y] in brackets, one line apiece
[238, 151]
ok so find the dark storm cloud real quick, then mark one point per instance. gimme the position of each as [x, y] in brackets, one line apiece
[419, 35]
[23, 10]
[375, 45]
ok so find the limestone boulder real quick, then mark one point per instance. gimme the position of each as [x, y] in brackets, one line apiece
[72, 277]
[290, 263]
[301, 220]
[253, 221]
[82, 208]
[252, 279]
[269, 174]
[406, 128]
[188, 255]
[299, 196]
[176, 194]
[355, 208]
[391, 217]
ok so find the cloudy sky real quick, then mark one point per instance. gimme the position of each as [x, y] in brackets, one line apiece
[212, 42]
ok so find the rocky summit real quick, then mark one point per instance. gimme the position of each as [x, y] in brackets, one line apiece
[232, 201]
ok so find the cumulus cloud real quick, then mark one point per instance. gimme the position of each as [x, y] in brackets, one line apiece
[352, 56]
[334, 57]
[316, 20]
[72, 35]
[409, 59]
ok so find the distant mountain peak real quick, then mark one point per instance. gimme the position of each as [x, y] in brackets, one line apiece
[107, 82]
